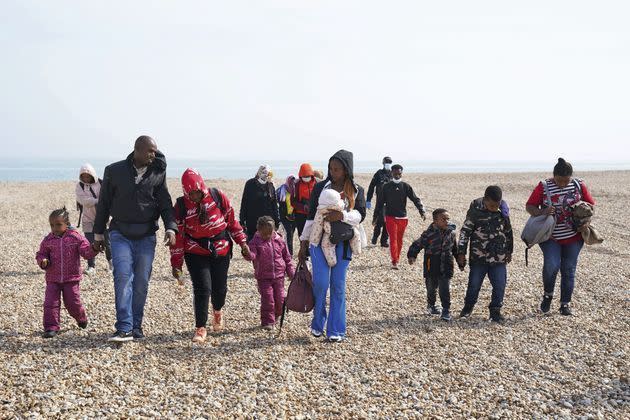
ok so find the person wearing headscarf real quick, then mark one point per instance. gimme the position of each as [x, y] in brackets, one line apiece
[259, 199]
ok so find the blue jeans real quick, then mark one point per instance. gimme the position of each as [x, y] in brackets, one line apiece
[133, 262]
[498, 278]
[335, 278]
[561, 258]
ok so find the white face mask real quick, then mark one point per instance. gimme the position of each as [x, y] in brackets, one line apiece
[262, 181]
[387, 166]
[305, 178]
[397, 181]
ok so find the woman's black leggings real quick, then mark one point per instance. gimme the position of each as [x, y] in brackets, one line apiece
[209, 279]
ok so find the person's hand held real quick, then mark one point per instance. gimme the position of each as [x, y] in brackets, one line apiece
[98, 246]
[424, 216]
[508, 258]
[411, 260]
[169, 239]
[44, 263]
[245, 251]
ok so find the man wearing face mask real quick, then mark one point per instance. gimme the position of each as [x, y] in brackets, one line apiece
[302, 195]
[380, 178]
[393, 205]
[259, 199]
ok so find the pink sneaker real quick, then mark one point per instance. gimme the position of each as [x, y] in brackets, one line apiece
[200, 335]
[217, 321]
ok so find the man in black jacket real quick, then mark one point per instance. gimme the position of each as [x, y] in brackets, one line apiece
[380, 178]
[135, 195]
[393, 206]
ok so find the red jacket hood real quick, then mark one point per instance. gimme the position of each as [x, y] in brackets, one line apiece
[306, 170]
[193, 181]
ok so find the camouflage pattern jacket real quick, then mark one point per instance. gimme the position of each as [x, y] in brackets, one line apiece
[489, 233]
[440, 246]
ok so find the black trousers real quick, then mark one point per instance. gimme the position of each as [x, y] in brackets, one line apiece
[379, 227]
[300, 221]
[289, 228]
[441, 283]
[209, 279]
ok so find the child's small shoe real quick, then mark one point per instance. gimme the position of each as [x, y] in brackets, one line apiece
[217, 321]
[82, 324]
[200, 335]
[565, 310]
[395, 266]
[89, 271]
[433, 310]
[446, 315]
[49, 334]
[267, 327]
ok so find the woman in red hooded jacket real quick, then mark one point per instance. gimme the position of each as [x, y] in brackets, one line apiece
[204, 242]
[302, 195]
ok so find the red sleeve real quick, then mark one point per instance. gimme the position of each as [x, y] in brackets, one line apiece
[177, 250]
[537, 196]
[233, 226]
[43, 253]
[586, 194]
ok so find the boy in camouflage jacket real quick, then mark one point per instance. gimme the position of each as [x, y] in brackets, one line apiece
[489, 231]
[440, 246]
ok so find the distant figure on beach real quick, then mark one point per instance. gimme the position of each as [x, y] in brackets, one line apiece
[206, 227]
[380, 178]
[272, 262]
[393, 206]
[60, 255]
[562, 250]
[87, 192]
[285, 209]
[440, 246]
[301, 196]
[489, 231]
[135, 195]
[259, 199]
[341, 179]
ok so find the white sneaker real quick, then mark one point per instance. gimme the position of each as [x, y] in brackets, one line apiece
[316, 333]
[395, 266]
[335, 339]
[89, 271]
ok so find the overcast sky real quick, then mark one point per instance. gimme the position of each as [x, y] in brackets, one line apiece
[269, 80]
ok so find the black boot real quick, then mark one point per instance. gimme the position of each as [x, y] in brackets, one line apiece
[545, 305]
[466, 311]
[565, 310]
[495, 315]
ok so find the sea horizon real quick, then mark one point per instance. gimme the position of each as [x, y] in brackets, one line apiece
[37, 169]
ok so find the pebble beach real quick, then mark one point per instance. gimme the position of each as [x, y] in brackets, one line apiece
[397, 362]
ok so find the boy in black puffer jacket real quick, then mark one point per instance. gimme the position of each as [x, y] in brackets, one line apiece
[440, 246]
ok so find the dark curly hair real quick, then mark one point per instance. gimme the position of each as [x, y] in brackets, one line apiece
[63, 213]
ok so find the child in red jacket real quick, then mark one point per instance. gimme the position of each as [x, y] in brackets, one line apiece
[60, 255]
[272, 261]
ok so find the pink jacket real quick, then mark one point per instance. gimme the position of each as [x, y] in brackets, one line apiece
[64, 256]
[271, 258]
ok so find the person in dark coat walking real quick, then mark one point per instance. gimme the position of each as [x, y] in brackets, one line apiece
[259, 199]
[135, 195]
[380, 178]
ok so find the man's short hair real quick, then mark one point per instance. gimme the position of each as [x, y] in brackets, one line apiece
[397, 167]
[437, 212]
[387, 159]
[494, 193]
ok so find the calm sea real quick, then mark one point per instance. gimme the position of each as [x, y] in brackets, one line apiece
[67, 169]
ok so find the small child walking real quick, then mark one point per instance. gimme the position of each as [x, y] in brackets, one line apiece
[272, 261]
[440, 246]
[87, 191]
[60, 255]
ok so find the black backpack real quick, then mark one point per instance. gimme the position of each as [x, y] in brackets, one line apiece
[79, 205]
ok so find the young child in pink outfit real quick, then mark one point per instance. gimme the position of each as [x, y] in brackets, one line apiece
[60, 255]
[272, 261]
